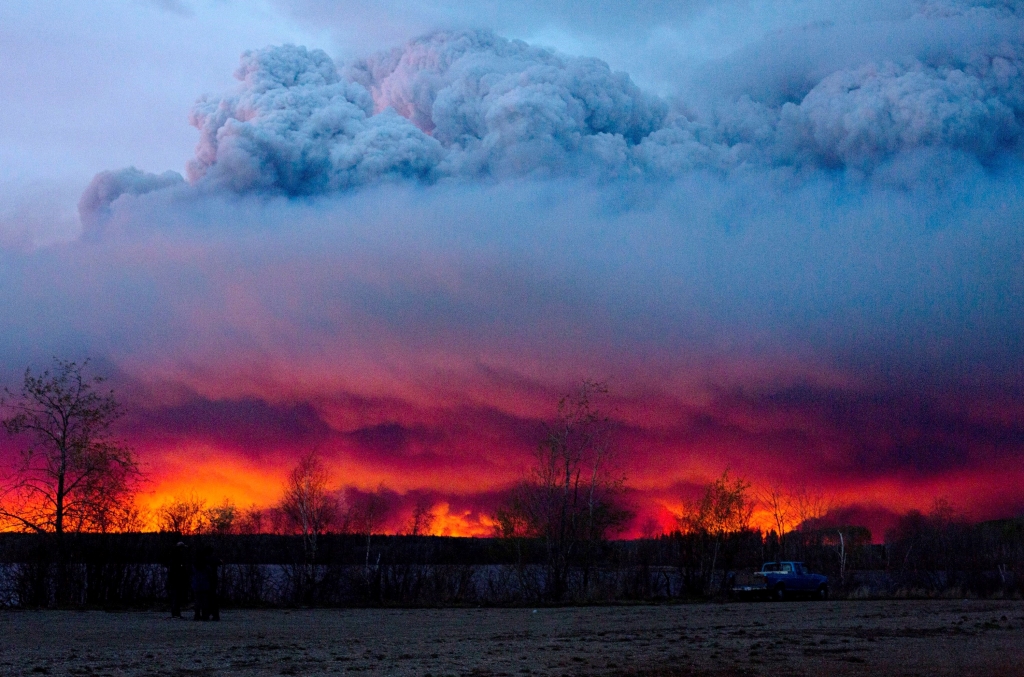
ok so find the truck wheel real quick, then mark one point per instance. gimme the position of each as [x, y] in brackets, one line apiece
[823, 593]
[779, 594]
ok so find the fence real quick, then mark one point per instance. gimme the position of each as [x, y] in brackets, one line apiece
[129, 570]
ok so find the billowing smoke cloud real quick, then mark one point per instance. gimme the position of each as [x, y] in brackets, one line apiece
[806, 265]
[505, 108]
[94, 205]
[467, 104]
[296, 127]
[853, 118]
[472, 105]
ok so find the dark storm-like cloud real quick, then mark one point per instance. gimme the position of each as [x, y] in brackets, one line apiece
[470, 438]
[407, 257]
[250, 426]
[871, 434]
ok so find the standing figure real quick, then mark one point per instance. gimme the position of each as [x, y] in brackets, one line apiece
[212, 601]
[177, 578]
[201, 582]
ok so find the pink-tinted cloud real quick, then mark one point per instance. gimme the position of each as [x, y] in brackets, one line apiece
[813, 277]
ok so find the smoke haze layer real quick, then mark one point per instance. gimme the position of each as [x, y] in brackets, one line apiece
[805, 264]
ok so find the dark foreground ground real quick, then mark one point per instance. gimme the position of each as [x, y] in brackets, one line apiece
[830, 638]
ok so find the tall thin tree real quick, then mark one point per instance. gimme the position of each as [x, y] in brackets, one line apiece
[310, 508]
[573, 499]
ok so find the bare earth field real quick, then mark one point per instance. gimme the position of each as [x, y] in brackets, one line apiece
[888, 638]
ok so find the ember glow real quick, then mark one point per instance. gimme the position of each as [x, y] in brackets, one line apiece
[794, 251]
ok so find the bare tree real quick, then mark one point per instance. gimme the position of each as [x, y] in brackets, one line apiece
[516, 518]
[186, 515]
[810, 507]
[73, 475]
[574, 498]
[724, 508]
[221, 518]
[252, 521]
[422, 520]
[366, 515]
[191, 515]
[309, 508]
[126, 516]
[781, 506]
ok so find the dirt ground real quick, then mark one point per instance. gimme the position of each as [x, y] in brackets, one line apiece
[889, 638]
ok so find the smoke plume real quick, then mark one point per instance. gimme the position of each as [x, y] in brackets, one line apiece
[408, 256]
[471, 106]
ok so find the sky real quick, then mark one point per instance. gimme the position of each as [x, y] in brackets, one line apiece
[789, 236]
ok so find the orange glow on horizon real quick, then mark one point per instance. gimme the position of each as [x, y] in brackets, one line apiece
[213, 477]
[217, 477]
[461, 523]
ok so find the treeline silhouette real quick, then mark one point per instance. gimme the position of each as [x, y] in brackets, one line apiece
[923, 556]
[71, 497]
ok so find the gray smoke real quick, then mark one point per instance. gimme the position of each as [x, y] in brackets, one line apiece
[501, 107]
[472, 106]
[827, 211]
[855, 117]
[296, 127]
[108, 186]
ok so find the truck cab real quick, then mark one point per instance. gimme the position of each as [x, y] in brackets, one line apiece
[780, 580]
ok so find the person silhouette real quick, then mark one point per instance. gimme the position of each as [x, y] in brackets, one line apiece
[177, 578]
[201, 582]
[212, 575]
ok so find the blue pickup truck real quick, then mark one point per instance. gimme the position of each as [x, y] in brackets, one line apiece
[781, 580]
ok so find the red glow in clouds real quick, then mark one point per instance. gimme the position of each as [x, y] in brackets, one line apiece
[457, 455]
